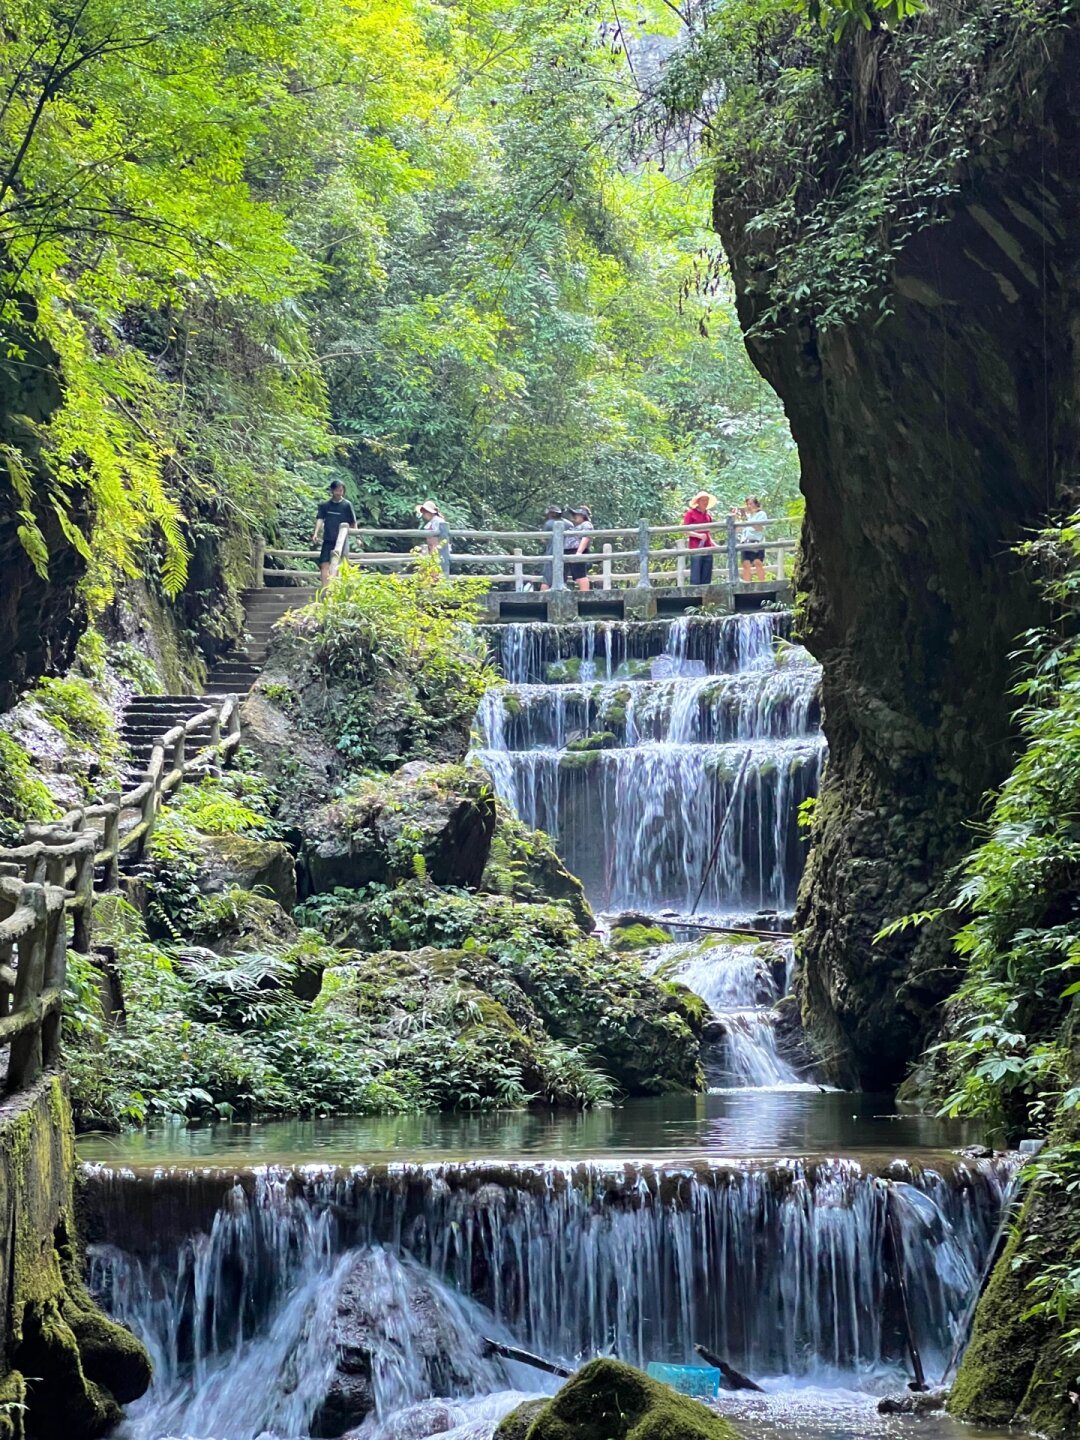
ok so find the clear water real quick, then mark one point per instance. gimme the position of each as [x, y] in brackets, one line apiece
[736, 1124]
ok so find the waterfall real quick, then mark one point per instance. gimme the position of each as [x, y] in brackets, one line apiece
[785, 1268]
[625, 742]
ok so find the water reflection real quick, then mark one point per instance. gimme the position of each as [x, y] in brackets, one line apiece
[733, 1124]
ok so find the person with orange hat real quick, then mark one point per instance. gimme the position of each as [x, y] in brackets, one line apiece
[701, 541]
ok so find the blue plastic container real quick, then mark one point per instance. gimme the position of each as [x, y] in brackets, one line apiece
[703, 1381]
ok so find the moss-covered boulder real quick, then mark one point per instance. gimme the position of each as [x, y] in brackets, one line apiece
[298, 763]
[1016, 1369]
[638, 936]
[239, 922]
[68, 1363]
[239, 861]
[524, 864]
[607, 1400]
[534, 965]
[437, 823]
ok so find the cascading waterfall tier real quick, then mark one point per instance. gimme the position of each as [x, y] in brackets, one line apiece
[784, 1268]
[629, 743]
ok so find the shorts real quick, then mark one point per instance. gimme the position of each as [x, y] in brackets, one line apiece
[750, 556]
[326, 554]
[577, 569]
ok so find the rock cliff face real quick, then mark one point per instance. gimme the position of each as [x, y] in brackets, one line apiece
[931, 442]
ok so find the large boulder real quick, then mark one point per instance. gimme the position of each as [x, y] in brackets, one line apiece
[607, 1400]
[436, 822]
[301, 767]
[238, 860]
[399, 1336]
[524, 864]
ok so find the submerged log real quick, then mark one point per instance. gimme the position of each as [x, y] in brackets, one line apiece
[511, 1352]
[732, 1377]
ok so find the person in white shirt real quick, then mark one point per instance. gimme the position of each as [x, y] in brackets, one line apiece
[752, 538]
[435, 525]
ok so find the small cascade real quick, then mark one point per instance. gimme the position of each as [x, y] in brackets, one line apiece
[740, 983]
[629, 743]
[785, 1269]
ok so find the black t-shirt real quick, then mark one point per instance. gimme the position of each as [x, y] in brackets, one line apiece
[334, 514]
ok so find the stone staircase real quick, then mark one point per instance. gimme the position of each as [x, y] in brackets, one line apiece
[235, 673]
[148, 717]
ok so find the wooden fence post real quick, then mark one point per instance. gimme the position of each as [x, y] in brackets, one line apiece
[258, 562]
[605, 568]
[519, 569]
[55, 971]
[180, 752]
[558, 555]
[82, 916]
[24, 1059]
[112, 840]
[732, 556]
[680, 562]
[643, 554]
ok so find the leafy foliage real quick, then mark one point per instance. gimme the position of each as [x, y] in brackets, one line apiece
[841, 130]
[388, 664]
[265, 243]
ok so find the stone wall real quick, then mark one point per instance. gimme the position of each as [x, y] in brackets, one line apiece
[66, 1368]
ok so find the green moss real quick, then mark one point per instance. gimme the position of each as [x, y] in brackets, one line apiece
[607, 1400]
[560, 672]
[12, 1405]
[599, 740]
[578, 759]
[515, 1426]
[638, 937]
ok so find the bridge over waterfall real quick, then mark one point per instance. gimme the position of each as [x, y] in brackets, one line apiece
[634, 572]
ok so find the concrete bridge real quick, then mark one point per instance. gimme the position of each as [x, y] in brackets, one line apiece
[635, 572]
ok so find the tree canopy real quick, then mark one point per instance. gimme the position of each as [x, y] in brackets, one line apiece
[400, 240]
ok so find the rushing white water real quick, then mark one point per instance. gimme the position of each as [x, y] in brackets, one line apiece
[785, 1268]
[693, 719]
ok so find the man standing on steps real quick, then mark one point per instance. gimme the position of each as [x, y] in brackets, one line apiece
[333, 513]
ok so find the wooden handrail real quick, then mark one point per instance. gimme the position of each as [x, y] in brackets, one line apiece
[51, 875]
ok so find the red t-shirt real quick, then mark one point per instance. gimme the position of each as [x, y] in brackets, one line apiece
[698, 517]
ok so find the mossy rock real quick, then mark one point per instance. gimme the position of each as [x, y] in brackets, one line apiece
[524, 864]
[608, 1400]
[229, 860]
[430, 820]
[638, 937]
[515, 1426]
[561, 672]
[583, 760]
[600, 740]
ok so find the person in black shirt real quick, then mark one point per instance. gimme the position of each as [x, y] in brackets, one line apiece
[333, 513]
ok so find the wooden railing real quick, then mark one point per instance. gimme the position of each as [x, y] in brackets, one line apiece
[658, 555]
[51, 878]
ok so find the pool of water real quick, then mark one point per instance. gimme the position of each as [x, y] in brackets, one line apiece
[738, 1124]
[813, 1412]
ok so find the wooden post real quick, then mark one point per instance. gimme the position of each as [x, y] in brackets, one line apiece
[341, 540]
[234, 729]
[558, 555]
[24, 1060]
[180, 752]
[680, 562]
[605, 569]
[732, 554]
[258, 562]
[519, 569]
[84, 900]
[112, 840]
[215, 729]
[53, 979]
[643, 554]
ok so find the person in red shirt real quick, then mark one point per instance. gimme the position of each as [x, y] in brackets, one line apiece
[701, 542]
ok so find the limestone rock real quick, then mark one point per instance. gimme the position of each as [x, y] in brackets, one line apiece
[525, 865]
[439, 820]
[301, 767]
[607, 1400]
[250, 864]
[393, 1322]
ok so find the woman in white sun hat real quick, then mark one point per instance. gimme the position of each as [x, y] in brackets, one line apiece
[437, 537]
